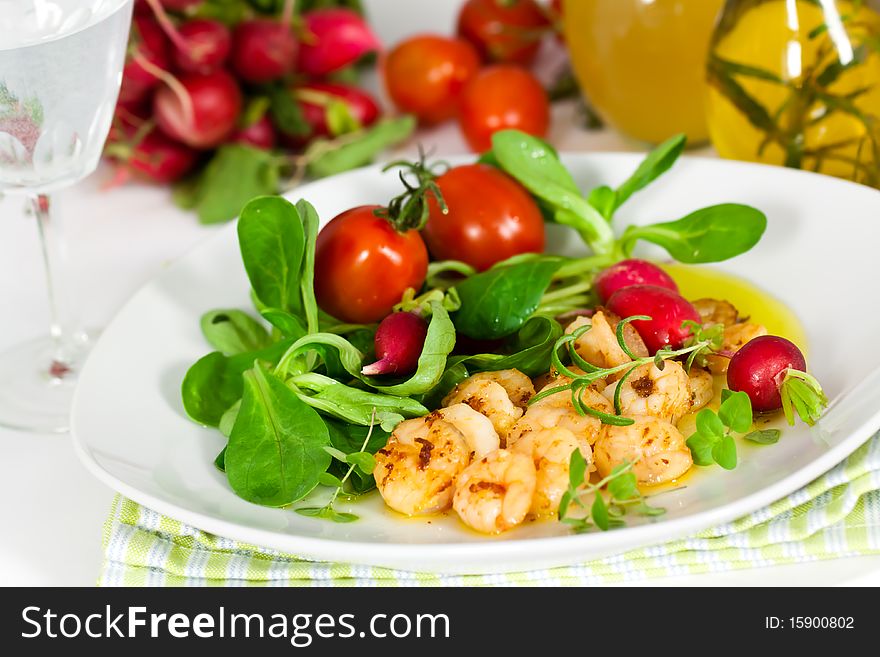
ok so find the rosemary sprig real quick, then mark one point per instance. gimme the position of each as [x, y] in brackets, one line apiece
[810, 100]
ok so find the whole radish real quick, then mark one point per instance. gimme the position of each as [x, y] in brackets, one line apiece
[772, 371]
[207, 42]
[332, 40]
[259, 134]
[399, 341]
[149, 56]
[263, 50]
[631, 272]
[667, 310]
[319, 100]
[202, 112]
[161, 159]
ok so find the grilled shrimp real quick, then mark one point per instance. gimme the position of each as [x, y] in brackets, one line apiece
[716, 311]
[655, 447]
[489, 398]
[599, 345]
[650, 391]
[518, 386]
[476, 428]
[558, 411]
[495, 493]
[701, 388]
[416, 470]
[550, 450]
[734, 338]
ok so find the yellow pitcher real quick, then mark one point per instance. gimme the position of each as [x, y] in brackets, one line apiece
[797, 83]
[641, 63]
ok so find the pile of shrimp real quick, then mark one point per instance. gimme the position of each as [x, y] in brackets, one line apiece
[498, 460]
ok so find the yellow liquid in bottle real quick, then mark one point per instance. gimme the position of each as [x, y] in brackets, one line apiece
[780, 38]
[642, 63]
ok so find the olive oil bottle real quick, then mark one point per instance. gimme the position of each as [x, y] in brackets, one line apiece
[797, 83]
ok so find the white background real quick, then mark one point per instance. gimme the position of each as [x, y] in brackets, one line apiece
[51, 509]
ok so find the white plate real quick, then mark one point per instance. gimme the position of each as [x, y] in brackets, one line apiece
[818, 255]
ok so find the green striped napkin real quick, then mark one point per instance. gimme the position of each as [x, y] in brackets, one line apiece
[837, 515]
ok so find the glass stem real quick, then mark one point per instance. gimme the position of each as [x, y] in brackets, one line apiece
[68, 340]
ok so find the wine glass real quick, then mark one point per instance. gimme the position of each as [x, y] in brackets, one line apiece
[60, 70]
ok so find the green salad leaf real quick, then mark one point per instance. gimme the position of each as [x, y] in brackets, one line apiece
[712, 234]
[275, 454]
[498, 302]
[234, 332]
[272, 242]
[214, 382]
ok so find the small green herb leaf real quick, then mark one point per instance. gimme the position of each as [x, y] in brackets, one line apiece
[363, 460]
[709, 425]
[764, 436]
[724, 453]
[624, 487]
[599, 512]
[326, 513]
[577, 469]
[736, 412]
[327, 479]
[701, 448]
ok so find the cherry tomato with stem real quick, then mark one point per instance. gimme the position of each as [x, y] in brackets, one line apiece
[363, 265]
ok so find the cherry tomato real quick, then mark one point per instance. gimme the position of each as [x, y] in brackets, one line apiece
[667, 310]
[490, 218]
[363, 265]
[503, 30]
[425, 75]
[502, 97]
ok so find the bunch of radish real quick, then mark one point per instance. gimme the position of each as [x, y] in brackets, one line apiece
[256, 77]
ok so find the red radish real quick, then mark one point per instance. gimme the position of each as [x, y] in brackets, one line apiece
[263, 50]
[259, 134]
[149, 55]
[399, 341]
[203, 112]
[631, 272]
[161, 159]
[207, 42]
[316, 99]
[333, 39]
[667, 310]
[772, 371]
